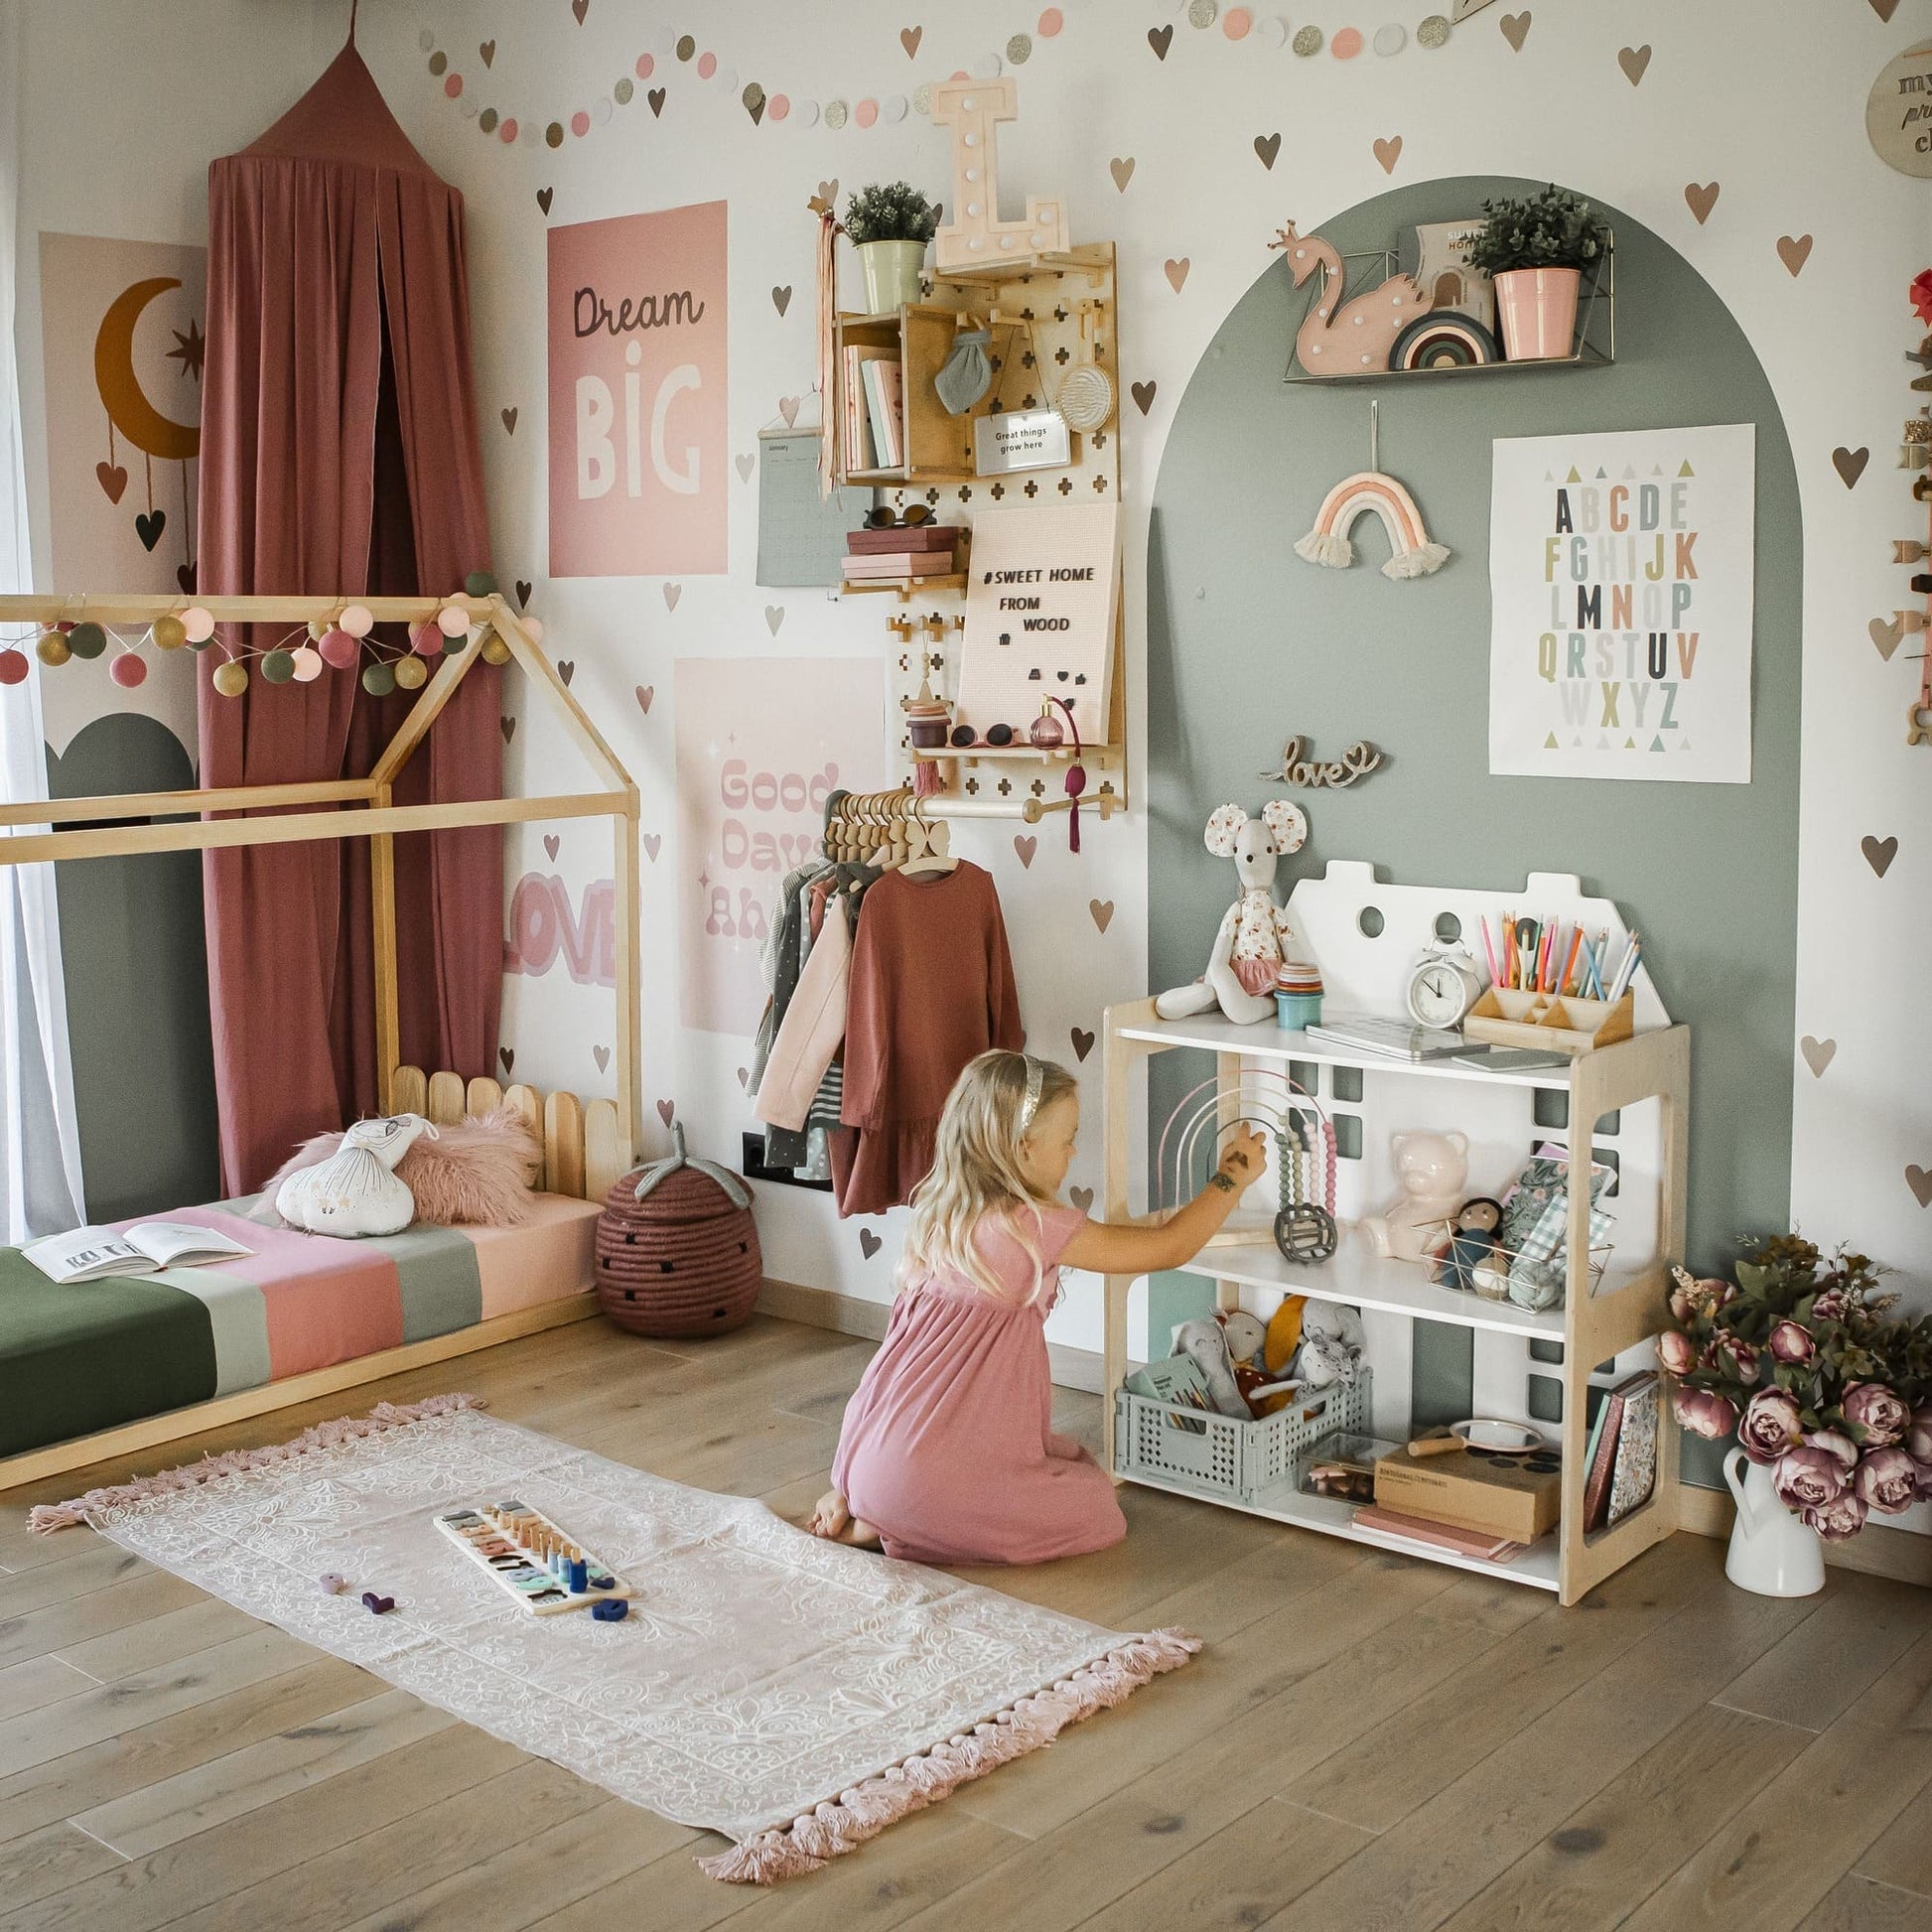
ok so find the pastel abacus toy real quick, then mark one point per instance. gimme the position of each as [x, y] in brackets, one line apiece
[531, 1558]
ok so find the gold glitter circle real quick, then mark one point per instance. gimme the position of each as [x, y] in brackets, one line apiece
[1307, 39]
[1019, 49]
[1202, 13]
[486, 120]
[554, 134]
[834, 113]
[686, 46]
[438, 61]
[1434, 31]
[625, 91]
[923, 98]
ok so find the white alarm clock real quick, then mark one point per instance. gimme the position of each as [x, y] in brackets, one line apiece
[1444, 985]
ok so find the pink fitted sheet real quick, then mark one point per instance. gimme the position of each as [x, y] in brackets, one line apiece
[551, 1256]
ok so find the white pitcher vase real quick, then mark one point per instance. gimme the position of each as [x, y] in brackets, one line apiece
[1771, 1551]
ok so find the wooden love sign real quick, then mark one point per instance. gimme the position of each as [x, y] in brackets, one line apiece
[1358, 762]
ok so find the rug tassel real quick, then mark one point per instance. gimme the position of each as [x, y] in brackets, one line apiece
[815, 1837]
[45, 1518]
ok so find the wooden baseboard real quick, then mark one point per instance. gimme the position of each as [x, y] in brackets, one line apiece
[825, 1307]
[134, 1437]
[1878, 1550]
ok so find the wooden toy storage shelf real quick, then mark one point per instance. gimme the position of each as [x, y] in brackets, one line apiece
[1593, 1329]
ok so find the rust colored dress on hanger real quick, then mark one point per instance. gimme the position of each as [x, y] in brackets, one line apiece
[932, 987]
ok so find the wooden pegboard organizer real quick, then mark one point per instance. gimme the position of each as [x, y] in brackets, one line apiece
[1044, 306]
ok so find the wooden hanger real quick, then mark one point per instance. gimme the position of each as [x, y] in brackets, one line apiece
[929, 846]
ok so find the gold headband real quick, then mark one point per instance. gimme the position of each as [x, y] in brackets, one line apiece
[1035, 1079]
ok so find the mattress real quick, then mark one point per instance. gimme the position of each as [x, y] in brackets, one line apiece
[93, 1356]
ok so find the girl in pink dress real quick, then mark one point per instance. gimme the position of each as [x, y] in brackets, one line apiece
[948, 1452]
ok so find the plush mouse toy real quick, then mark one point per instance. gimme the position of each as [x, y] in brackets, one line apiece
[1332, 1345]
[1207, 1341]
[1254, 936]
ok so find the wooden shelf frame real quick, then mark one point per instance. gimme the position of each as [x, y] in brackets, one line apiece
[353, 808]
[1627, 1310]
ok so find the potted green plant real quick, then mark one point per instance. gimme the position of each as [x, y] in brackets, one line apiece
[1535, 251]
[890, 223]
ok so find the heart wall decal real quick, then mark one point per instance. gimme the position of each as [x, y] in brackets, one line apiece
[544, 197]
[580, 8]
[551, 844]
[667, 1111]
[1176, 272]
[566, 668]
[508, 727]
[522, 590]
[1143, 393]
[653, 844]
[1885, 632]
[1267, 147]
[1101, 911]
[656, 99]
[1817, 1054]
[1389, 152]
[1083, 1042]
[781, 298]
[1159, 38]
[1879, 853]
[1025, 844]
[1516, 29]
[788, 409]
[112, 480]
[508, 1056]
[1794, 251]
[1850, 464]
[644, 694]
[1919, 1180]
[1081, 1197]
[672, 592]
[774, 615]
[486, 53]
[910, 39]
[1634, 60]
[1700, 200]
[1122, 170]
[869, 1243]
[510, 422]
[745, 465]
[602, 1055]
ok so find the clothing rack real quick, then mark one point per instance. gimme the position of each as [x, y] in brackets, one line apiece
[886, 829]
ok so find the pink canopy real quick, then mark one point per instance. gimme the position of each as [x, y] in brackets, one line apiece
[339, 457]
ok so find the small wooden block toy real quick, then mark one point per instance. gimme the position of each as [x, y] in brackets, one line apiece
[531, 1558]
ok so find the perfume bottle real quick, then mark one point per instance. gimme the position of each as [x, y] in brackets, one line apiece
[1046, 731]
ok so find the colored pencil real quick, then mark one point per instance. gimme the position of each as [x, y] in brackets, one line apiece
[1489, 950]
[1569, 964]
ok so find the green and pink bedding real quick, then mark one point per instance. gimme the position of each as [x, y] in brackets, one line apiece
[93, 1356]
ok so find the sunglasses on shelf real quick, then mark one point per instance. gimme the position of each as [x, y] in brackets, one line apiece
[882, 517]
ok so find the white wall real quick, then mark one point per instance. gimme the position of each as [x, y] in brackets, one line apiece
[1776, 117]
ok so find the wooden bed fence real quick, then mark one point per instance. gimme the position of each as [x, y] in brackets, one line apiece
[584, 1150]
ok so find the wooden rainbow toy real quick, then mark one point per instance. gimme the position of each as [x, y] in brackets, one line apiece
[531, 1558]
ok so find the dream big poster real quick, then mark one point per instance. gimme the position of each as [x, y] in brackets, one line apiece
[637, 404]
[1620, 599]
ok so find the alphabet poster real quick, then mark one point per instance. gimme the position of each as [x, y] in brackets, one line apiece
[760, 744]
[1620, 573]
[638, 395]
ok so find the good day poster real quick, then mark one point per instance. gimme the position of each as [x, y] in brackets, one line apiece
[1620, 594]
[637, 394]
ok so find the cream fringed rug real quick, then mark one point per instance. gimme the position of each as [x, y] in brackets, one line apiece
[795, 1696]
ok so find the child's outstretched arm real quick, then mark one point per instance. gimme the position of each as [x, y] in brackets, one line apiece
[1103, 1249]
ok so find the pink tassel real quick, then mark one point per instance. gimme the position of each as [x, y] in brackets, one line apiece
[927, 778]
[828, 1830]
[45, 1518]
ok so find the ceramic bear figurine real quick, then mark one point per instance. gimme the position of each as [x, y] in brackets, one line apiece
[1254, 935]
[1433, 1171]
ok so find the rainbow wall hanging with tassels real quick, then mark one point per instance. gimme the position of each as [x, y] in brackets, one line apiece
[1410, 551]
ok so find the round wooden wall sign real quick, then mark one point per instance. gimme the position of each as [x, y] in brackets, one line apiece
[1898, 112]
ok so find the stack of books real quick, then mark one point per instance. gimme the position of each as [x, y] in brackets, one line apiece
[901, 553]
[874, 426]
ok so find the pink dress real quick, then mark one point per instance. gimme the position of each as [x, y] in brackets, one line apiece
[948, 1447]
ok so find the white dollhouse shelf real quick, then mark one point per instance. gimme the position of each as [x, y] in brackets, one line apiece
[1366, 935]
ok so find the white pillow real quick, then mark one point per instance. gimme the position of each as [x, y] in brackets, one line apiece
[355, 1191]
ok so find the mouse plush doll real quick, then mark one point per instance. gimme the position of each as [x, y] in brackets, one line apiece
[1254, 935]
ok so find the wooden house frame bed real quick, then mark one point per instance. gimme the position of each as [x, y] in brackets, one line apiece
[587, 1146]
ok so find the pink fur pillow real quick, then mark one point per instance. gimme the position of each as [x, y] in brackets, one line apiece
[477, 1172]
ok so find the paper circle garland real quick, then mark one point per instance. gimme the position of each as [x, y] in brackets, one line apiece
[339, 649]
[358, 621]
[13, 667]
[168, 632]
[128, 669]
[231, 678]
[1307, 39]
[411, 674]
[494, 650]
[378, 680]
[425, 639]
[199, 623]
[87, 639]
[453, 621]
[1445, 340]
[1346, 44]
[1050, 23]
[52, 649]
[307, 663]
[277, 666]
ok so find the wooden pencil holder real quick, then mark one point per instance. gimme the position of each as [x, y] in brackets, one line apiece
[1506, 1017]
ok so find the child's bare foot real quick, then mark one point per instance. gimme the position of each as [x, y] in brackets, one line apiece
[837, 1524]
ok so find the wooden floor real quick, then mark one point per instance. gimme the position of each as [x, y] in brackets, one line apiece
[1365, 1741]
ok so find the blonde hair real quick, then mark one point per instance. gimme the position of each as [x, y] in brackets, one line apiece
[976, 1169]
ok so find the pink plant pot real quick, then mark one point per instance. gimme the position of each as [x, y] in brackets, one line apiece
[1538, 311]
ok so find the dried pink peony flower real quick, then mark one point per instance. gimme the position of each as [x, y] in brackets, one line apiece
[1791, 1344]
[1769, 1425]
[1831, 1305]
[1834, 1441]
[1807, 1475]
[1705, 1413]
[1677, 1351]
[1882, 1416]
[1918, 1438]
[1886, 1479]
[1836, 1521]
[1739, 1356]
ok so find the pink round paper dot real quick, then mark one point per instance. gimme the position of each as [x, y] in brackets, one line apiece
[13, 667]
[1050, 23]
[128, 670]
[647, 66]
[451, 84]
[960, 73]
[707, 65]
[1236, 22]
[778, 107]
[580, 123]
[506, 131]
[1346, 44]
[339, 649]
[308, 663]
[866, 112]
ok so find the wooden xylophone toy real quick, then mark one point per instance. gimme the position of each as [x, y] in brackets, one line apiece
[532, 1559]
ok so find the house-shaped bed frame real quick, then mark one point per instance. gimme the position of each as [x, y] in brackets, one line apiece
[587, 1146]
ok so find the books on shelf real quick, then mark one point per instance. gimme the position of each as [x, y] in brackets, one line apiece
[99, 1254]
[1389, 1039]
[1621, 1469]
[906, 536]
[1437, 1535]
[863, 449]
[883, 395]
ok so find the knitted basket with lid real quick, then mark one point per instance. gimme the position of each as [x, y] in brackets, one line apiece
[678, 1248]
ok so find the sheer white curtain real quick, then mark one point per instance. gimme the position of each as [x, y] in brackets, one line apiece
[40, 1137]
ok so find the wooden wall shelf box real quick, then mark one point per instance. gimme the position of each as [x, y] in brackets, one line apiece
[1505, 1018]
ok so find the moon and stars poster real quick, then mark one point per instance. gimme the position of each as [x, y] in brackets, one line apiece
[123, 341]
[1620, 587]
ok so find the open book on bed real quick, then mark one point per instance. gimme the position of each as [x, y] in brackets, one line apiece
[96, 1254]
